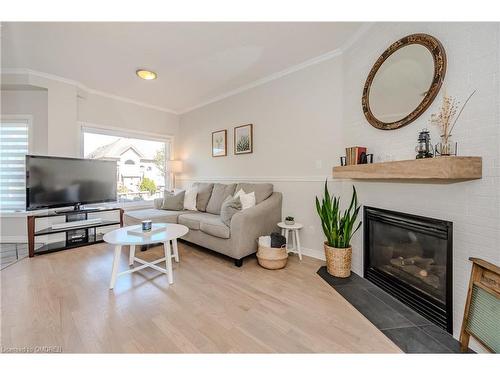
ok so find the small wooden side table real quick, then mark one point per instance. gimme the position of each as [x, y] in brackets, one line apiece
[294, 229]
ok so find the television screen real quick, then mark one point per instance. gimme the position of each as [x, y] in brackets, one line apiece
[58, 182]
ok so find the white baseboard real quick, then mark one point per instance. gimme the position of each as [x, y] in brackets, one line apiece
[313, 253]
[14, 239]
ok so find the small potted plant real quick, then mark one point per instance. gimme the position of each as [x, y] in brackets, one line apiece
[289, 220]
[339, 227]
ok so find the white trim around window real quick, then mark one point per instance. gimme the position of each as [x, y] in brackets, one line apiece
[120, 132]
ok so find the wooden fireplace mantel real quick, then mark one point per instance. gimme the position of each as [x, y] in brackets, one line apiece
[448, 169]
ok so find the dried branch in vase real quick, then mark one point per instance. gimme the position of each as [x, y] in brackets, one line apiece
[447, 117]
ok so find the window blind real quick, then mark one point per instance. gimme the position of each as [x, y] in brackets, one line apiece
[13, 149]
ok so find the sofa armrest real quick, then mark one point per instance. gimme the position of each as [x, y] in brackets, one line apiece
[248, 225]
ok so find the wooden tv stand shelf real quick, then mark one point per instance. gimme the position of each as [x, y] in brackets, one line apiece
[446, 169]
[91, 235]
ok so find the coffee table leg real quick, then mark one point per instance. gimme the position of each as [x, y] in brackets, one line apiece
[131, 255]
[176, 250]
[116, 261]
[168, 261]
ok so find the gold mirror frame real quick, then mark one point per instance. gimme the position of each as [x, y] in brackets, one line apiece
[438, 54]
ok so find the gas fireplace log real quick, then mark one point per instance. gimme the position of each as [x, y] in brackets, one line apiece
[415, 271]
[416, 260]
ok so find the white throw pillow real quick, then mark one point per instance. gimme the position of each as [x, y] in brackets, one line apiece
[190, 199]
[247, 200]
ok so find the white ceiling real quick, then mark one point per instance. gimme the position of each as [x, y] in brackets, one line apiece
[195, 62]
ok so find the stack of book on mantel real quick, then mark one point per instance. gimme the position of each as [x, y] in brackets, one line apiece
[353, 155]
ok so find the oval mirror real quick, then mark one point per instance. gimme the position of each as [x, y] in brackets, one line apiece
[404, 81]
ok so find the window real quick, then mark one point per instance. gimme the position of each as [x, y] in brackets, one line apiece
[141, 174]
[14, 145]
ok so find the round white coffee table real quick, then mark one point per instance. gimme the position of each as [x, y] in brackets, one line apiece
[285, 231]
[121, 237]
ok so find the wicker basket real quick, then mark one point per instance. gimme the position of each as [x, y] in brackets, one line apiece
[338, 261]
[272, 258]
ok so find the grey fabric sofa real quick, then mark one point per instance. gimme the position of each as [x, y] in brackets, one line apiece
[206, 229]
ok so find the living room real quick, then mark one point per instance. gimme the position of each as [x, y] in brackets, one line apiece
[209, 157]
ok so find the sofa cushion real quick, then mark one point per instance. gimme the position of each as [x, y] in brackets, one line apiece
[219, 193]
[262, 191]
[192, 219]
[215, 227]
[157, 216]
[229, 207]
[173, 202]
[208, 223]
[204, 193]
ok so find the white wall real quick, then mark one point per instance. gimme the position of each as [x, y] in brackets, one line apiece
[315, 113]
[105, 111]
[473, 207]
[33, 103]
[297, 138]
[58, 109]
[69, 105]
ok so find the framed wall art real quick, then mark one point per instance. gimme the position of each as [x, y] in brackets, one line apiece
[243, 139]
[219, 143]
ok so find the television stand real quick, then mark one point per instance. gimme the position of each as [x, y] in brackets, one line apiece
[76, 236]
[76, 208]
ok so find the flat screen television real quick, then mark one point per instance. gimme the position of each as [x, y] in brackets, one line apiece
[60, 182]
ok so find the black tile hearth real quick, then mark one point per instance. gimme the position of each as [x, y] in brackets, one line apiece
[411, 332]
[414, 340]
[381, 314]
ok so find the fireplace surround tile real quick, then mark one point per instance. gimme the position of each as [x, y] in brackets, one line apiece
[411, 332]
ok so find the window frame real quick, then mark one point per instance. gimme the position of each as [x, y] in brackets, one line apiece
[20, 118]
[120, 132]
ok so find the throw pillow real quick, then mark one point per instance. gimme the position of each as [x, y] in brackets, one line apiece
[158, 202]
[204, 192]
[262, 191]
[190, 199]
[173, 202]
[229, 207]
[219, 194]
[247, 200]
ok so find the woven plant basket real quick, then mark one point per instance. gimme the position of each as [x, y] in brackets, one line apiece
[338, 261]
[272, 258]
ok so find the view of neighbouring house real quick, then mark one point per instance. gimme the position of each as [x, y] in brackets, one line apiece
[141, 171]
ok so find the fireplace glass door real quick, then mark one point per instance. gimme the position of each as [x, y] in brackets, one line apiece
[410, 257]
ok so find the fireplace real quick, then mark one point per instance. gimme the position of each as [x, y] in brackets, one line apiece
[410, 257]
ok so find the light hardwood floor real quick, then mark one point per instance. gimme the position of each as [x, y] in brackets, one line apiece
[62, 299]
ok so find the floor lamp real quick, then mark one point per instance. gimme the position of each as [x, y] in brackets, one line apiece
[173, 167]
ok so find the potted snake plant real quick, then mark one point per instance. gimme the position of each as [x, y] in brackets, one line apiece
[339, 227]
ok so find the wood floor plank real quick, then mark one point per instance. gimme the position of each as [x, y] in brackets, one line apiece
[62, 299]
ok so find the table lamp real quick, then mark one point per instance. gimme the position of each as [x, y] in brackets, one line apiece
[173, 167]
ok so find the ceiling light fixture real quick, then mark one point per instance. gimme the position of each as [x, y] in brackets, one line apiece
[146, 74]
